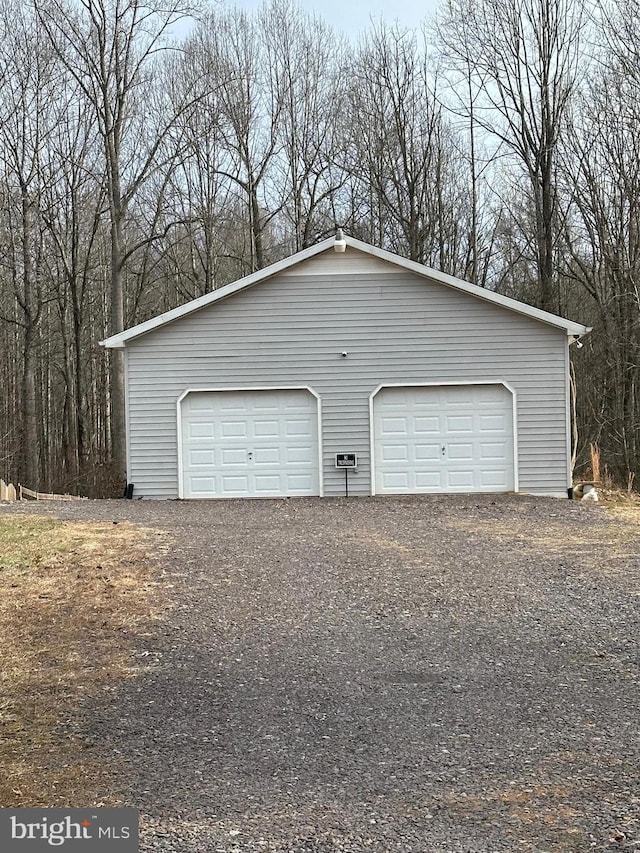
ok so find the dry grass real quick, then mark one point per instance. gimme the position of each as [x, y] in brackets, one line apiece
[608, 550]
[618, 498]
[594, 452]
[74, 599]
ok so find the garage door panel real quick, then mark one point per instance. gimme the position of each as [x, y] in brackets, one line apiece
[426, 452]
[395, 396]
[296, 428]
[253, 443]
[425, 405]
[428, 480]
[395, 426]
[229, 407]
[460, 451]
[459, 424]
[197, 431]
[202, 485]
[460, 480]
[427, 426]
[232, 456]
[494, 479]
[395, 453]
[471, 431]
[200, 404]
[457, 397]
[298, 484]
[395, 481]
[232, 429]
[201, 457]
[296, 455]
[266, 429]
[235, 483]
[492, 423]
[263, 404]
[267, 456]
[267, 483]
[493, 451]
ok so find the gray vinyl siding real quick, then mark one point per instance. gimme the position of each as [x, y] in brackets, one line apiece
[351, 262]
[397, 327]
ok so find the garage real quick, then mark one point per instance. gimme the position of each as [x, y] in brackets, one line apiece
[410, 369]
[443, 438]
[249, 443]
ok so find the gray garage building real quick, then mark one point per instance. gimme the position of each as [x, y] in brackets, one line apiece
[435, 384]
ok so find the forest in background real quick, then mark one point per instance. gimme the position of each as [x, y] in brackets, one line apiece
[140, 168]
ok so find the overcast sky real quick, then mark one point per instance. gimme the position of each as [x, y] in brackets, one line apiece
[353, 16]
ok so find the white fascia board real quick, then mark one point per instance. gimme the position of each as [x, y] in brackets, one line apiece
[571, 328]
[119, 341]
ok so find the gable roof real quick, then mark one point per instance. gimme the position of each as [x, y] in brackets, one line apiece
[120, 340]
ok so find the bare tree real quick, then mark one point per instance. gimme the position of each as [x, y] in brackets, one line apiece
[524, 55]
[26, 120]
[601, 178]
[402, 153]
[110, 47]
[251, 109]
[73, 200]
[202, 198]
[461, 92]
[306, 61]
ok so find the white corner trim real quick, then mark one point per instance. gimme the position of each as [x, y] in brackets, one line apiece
[179, 440]
[507, 385]
[568, 420]
[218, 389]
[127, 425]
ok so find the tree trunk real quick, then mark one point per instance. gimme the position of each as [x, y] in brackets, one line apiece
[116, 365]
[28, 456]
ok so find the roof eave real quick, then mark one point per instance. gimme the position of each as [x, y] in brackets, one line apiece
[119, 341]
[473, 289]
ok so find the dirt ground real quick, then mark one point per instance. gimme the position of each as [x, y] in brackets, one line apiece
[415, 674]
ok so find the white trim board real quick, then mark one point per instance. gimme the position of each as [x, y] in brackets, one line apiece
[568, 418]
[574, 330]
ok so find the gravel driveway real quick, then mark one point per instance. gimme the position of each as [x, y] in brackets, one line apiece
[434, 675]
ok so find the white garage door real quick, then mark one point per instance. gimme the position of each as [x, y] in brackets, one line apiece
[448, 438]
[249, 444]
